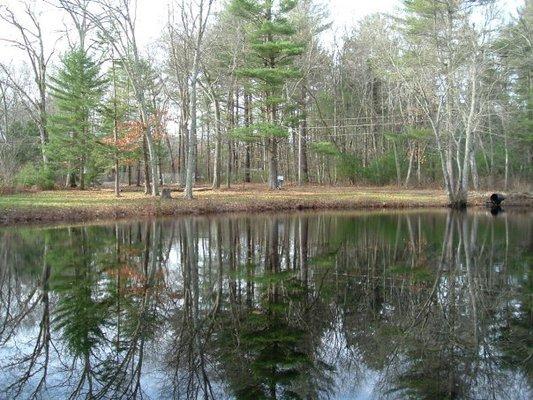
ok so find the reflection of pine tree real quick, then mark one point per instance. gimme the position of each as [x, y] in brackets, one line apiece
[106, 310]
[270, 360]
[274, 351]
[78, 314]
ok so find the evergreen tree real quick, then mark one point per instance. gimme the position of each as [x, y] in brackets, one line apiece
[77, 89]
[269, 65]
[515, 50]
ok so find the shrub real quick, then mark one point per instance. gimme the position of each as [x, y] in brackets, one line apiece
[35, 176]
[382, 170]
[349, 167]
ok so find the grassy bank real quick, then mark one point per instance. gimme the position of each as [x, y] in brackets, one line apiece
[76, 206]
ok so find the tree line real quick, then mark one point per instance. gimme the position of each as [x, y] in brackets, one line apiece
[437, 94]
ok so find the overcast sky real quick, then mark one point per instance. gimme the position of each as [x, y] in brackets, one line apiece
[152, 16]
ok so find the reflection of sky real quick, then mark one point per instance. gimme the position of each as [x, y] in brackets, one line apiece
[352, 378]
[21, 344]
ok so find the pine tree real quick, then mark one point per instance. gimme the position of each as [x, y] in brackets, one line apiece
[77, 90]
[515, 48]
[269, 66]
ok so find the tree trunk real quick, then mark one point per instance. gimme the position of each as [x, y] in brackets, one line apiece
[473, 168]
[410, 167]
[418, 165]
[303, 175]
[43, 133]
[468, 152]
[138, 181]
[247, 122]
[171, 156]
[146, 169]
[82, 173]
[115, 132]
[397, 164]
[152, 162]
[272, 163]
[191, 156]
[231, 125]
[218, 146]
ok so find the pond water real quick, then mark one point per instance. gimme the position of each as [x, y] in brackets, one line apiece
[386, 305]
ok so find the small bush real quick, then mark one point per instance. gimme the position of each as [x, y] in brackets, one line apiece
[381, 170]
[349, 167]
[35, 176]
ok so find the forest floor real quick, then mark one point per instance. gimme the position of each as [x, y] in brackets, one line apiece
[98, 204]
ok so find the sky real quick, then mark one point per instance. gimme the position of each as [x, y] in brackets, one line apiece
[343, 13]
[152, 16]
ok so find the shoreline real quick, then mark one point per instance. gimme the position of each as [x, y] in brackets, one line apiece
[51, 207]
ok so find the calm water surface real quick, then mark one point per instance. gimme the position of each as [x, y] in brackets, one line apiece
[427, 305]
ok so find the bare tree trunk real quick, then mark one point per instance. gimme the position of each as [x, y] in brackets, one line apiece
[184, 140]
[231, 125]
[30, 41]
[82, 173]
[473, 168]
[191, 161]
[462, 197]
[115, 129]
[418, 165]
[506, 171]
[303, 175]
[247, 122]
[272, 163]
[171, 156]
[410, 167]
[397, 164]
[218, 146]
[138, 181]
[191, 154]
[146, 169]
[152, 160]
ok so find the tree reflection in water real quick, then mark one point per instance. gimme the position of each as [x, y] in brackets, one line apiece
[402, 305]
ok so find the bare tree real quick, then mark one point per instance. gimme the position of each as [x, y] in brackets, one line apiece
[29, 39]
[80, 19]
[199, 24]
[444, 77]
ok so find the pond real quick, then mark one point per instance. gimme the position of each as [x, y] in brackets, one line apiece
[384, 305]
